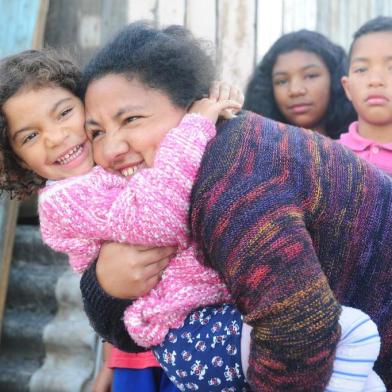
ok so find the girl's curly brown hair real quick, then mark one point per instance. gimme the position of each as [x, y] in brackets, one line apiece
[31, 69]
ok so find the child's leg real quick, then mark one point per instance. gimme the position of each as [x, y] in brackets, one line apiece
[205, 353]
[245, 347]
[374, 383]
[356, 353]
[148, 380]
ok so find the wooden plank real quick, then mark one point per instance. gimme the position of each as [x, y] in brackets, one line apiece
[22, 25]
[8, 218]
[236, 40]
[171, 12]
[338, 19]
[269, 25]
[200, 18]
[299, 14]
[142, 10]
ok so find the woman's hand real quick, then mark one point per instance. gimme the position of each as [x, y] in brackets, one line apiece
[130, 271]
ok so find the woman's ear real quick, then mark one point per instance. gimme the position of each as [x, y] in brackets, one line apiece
[345, 80]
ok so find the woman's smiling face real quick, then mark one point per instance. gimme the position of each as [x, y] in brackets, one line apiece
[126, 121]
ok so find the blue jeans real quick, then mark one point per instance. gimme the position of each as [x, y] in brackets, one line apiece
[151, 379]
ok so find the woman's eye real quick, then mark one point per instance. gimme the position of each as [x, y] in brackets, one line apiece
[65, 112]
[93, 134]
[29, 137]
[130, 119]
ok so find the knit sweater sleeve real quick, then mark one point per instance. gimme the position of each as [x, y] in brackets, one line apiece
[153, 209]
[72, 214]
[105, 312]
[250, 224]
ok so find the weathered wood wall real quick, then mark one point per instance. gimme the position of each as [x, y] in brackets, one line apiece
[21, 27]
[241, 30]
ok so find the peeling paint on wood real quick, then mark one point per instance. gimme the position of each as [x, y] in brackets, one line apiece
[236, 44]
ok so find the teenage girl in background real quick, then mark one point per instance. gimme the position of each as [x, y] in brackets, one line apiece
[298, 82]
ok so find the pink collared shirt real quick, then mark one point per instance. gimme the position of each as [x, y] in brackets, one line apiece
[379, 154]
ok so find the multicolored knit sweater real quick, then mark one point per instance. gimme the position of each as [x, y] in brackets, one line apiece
[295, 223]
[151, 208]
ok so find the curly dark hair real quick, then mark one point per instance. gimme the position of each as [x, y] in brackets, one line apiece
[375, 25]
[30, 69]
[170, 60]
[259, 95]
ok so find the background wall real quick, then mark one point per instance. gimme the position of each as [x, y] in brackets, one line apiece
[241, 30]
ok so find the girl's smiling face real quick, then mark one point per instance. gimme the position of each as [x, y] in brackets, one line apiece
[301, 85]
[126, 121]
[46, 131]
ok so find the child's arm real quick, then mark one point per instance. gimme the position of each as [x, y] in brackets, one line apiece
[222, 90]
[153, 209]
[73, 214]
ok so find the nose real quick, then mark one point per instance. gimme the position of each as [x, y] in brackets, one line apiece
[296, 88]
[376, 79]
[113, 150]
[55, 136]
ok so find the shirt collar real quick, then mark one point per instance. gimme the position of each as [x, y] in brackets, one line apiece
[359, 143]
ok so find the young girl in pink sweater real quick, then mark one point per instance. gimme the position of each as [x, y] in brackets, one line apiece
[143, 206]
[83, 205]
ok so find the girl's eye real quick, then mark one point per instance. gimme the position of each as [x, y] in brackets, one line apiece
[280, 82]
[360, 69]
[29, 137]
[312, 76]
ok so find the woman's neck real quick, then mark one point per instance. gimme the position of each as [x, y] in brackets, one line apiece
[377, 133]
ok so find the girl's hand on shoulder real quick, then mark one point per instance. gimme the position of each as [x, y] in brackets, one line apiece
[130, 271]
[224, 91]
[212, 109]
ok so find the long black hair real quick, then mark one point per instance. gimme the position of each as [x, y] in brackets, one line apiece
[259, 95]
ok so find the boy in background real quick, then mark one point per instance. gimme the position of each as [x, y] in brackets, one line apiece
[369, 87]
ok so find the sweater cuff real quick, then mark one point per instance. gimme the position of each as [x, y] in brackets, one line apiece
[206, 125]
[106, 312]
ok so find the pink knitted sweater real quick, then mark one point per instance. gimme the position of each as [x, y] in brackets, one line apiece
[151, 208]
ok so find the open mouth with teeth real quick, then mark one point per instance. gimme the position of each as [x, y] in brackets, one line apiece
[70, 155]
[130, 171]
